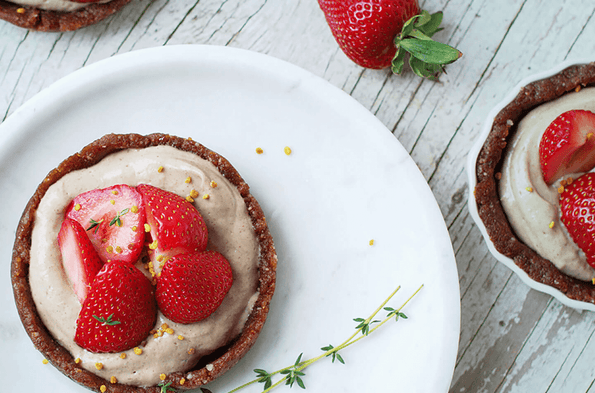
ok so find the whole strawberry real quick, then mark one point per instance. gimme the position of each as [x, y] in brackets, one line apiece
[119, 311]
[378, 34]
[568, 145]
[192, 286]
[577, 208]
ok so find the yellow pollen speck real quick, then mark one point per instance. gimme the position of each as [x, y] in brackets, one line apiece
[169, 331]
[122, 356]
[180, 337]
[119, 249]
[189, 199]
[159, 258]
[113, 379]
[138, 351]
[45, 361]
[188, 180]
[287, 150]
[20, 10]
[115, 192]
[593, 280]
[371, 242]
[206, 196]
[134, 228]
[77, 207]
[147, 228]
[109, 249]
[551, 224]
[182, 381]
[529, 189]
[77, 360]
[164, 326]
[98, 365]
[160, 169]
[560, 189]
[103, 388]
[259, 150]
[112, 202]
[162, 377]
[153, 246]
[191, 351]
[194, 193]
[213, 184]
[134, 209]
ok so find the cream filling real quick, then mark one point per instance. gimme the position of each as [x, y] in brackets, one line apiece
[530, 204]
[56, 5]
[230, 232]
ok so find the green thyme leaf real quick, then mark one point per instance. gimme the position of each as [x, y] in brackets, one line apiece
[117, 219]
[107, 321]
[94, 224]
[165, 387]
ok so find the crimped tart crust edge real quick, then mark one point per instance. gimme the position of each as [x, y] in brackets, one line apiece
[55, 353]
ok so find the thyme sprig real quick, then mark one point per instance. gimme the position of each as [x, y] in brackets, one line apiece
[292, 374]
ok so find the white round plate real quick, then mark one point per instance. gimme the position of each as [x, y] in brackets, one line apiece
[471, 161]
[347, 181]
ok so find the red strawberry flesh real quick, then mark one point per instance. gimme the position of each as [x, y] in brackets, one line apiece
[79, 258]
[568, 145]
[175, 224]
[119, 311]
[114, 218]
[577, 208]
[366, 29]
[192, 286]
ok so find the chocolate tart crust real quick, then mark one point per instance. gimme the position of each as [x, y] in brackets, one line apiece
[487, 171]
[45, 20]
[56, 354]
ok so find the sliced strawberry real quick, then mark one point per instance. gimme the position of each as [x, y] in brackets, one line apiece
[113, 218]
[175, 224]
[192, 286]
[79, 258]
[119, 311]
[567, 145]
[577, 208]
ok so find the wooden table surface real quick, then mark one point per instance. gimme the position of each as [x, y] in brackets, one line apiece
[512, 339]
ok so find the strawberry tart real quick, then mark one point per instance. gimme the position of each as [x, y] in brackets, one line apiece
[58, 15]
[535, 189]
[142, 262]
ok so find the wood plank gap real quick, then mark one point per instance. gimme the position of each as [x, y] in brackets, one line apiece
[411, 98]
[479, 81]
[132, 28]
[151, 21]
[462, 354]
[579, 34]
[181, 21]
[580, 354]
[527, 338]
[245, 23]
[14, 55]
[557, 372]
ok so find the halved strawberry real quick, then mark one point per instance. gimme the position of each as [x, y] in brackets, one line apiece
[113, 218]
[79, 258]
[567, 145]
[119, 311]
[192, 286]
[577, 208]
[175, 224]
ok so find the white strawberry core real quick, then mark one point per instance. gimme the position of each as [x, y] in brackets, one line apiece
[531, 206]
[230, 233]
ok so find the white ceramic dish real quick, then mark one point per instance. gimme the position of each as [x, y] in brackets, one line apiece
[471, 161]
[343, 184]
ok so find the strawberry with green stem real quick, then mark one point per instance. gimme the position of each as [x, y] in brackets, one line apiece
[382, 33]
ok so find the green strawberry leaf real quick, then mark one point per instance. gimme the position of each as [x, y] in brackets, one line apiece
[398, 61]
[431, 52]
[424, 70]
[432, 26]
[424, 17]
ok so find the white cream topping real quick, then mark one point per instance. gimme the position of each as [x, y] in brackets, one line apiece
[230, 232]
[531, 212]
[56, 5]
